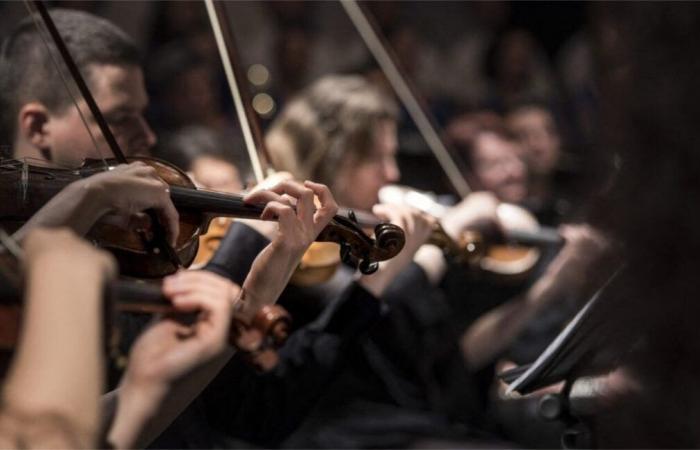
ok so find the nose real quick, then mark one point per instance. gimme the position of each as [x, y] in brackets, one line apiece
[150, 138]
[142, 139]
[391, 170]
[516, 168]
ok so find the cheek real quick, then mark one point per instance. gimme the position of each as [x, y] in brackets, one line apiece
[358, 188]
[489, 178]
[71, 144]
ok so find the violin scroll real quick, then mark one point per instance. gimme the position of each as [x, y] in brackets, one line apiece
[359, 250]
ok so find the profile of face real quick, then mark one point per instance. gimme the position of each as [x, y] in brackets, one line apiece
[358, 182]
[540, 144]
[216, 174]
[120, 94]
[498, 168]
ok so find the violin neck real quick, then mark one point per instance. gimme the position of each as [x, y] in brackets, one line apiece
[214, 204]
[364, 219]
[544, 237]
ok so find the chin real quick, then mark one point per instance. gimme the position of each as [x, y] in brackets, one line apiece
[513, 195]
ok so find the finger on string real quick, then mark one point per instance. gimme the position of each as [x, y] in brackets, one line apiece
[211, 310]
[277, 211]
[304, 196]
[261, 196]
[184, 282]
[306, 208]
[288, 200]
[328, 206]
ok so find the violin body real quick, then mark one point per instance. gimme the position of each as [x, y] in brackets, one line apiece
[507, 258]
[25, 188]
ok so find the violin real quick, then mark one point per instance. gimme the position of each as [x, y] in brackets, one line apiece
[322, 258]
[509, 254]
[512, 256]
[258, 340]
[26, 188]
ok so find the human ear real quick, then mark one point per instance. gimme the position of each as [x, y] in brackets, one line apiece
[32, 121]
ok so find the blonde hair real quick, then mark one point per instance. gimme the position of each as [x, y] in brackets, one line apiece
[332, 122]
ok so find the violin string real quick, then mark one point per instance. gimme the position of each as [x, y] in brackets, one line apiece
[49, 50]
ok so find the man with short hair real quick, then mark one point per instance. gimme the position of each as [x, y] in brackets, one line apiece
[41, 118]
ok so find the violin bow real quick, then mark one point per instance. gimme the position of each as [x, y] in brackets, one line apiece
[159, 239]
[226, 45]
[404, 89]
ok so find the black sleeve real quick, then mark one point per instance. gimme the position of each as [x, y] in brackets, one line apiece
[236, 252]
[265, 408]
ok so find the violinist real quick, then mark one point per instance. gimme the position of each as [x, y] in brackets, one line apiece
[40, 117]
[44, 125]
[342, 129]
[312, 354]
[552, 174]
[48, 401]
[507, 323]
[48, 128]
[492, 155]
[322, 144]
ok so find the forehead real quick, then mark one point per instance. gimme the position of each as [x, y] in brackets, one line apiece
[385, 136]
[490, 145]
[118, 87]
[531, 117]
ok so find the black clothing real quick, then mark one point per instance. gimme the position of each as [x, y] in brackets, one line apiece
[406, 381]
[263, 408]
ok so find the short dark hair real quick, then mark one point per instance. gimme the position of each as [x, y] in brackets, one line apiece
[27, 72]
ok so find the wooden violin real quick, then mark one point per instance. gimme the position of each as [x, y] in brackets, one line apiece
[510, 253]
[258, 339]
[25, 188]
[323, 256]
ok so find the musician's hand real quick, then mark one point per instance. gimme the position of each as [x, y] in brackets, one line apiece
[575, 265]
[169, 349]
[292, 205]
[300, 222]
[477, 210]
[171, 362]
[127, 190]
[266, 228]
[417, 228]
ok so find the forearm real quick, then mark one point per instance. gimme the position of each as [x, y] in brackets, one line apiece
[493, 332]
[268, 276]
[74, 207]
[143, 412]
[57, 369]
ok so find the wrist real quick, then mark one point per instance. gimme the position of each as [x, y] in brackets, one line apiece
[286, 250]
